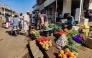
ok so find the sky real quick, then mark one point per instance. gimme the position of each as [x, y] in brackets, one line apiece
[20, 6]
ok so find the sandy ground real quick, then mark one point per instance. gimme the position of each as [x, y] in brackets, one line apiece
[10, 46]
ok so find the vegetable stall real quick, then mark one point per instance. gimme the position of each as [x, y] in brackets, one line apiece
[67, 43]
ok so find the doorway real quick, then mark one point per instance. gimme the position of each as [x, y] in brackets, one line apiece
[75, 4]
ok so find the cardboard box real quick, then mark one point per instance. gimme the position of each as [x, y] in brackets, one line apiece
[89, 42]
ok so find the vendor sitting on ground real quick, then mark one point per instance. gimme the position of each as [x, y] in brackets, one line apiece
[70, 22]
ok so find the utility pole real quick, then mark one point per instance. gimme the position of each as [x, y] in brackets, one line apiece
[12, 12]
[56, 12]
[4, 10]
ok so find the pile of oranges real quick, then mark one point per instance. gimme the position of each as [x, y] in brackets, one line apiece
[66, 54]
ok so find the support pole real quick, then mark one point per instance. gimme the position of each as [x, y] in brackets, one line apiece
[56, 12]
[80, 10]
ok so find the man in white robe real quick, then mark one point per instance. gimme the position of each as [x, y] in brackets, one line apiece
[26, 22]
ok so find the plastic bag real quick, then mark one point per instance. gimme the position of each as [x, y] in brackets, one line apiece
[77, 38]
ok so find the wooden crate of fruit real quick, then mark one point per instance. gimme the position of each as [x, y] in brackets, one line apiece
[45, 43]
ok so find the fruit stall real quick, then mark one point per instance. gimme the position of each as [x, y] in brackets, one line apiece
[45, 43]
[65, 45]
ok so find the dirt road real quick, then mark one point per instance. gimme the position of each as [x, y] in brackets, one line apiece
[10, 46]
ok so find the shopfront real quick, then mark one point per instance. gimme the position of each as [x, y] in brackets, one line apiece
[50, 11]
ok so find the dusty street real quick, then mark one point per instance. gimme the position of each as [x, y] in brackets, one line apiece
[10, 46]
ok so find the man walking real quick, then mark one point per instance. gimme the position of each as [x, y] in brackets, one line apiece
[26, 22]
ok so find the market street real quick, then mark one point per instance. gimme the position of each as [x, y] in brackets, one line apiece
[13, 47]
[45, 28]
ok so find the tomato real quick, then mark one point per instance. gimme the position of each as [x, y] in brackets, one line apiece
[39, 40]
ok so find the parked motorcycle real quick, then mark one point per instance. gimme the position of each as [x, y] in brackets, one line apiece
[15, 30]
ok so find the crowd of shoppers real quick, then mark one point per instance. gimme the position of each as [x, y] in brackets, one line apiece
[23, 21]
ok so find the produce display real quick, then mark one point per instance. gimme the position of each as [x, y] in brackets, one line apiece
[72, 45]
[66, 54]
[56, 26]
[36, 33]
[86, 27]
[62, 41]
[51, 25]
[69, 40]
[46, 28]
[66, 30]
[45, 42]
[61, 32]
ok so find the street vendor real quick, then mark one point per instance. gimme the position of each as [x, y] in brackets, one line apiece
[43, 20]
[70, 22]
[70, 19]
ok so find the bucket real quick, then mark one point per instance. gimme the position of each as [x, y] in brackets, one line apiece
[75, 27]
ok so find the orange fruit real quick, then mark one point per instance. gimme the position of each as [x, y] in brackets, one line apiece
[59, 55]
[70, 57]
[67, 54]
[61, 52]
[64, 56]
[67, 50]
[74, 56]
[71, 54]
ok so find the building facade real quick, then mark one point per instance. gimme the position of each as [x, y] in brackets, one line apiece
[47, 7]
[5, 9]
[50, 7]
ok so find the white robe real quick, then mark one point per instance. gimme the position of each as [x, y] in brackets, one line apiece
[26, 18]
